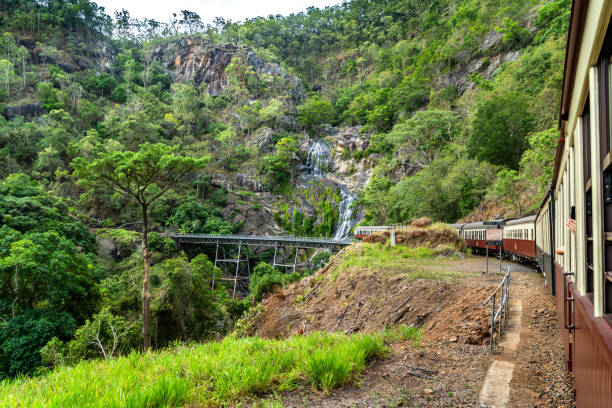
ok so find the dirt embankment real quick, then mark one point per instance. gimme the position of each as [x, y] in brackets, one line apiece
[354, 293]
[370, 287]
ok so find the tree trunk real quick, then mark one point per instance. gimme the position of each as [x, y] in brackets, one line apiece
[146, 294]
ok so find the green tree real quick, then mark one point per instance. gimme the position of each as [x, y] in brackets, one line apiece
[7, 73]
[278, 165]
[46, 288]
[425, 133]
[103, 336]
[538, 161]
[499, 130]
[191, 300]
[315, 112]
[508, 189]
[143, 176]
[272, 113]
[266, 278]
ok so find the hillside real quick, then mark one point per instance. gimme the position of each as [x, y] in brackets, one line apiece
[114, 131]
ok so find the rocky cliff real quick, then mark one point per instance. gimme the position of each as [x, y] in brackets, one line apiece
[193, 59]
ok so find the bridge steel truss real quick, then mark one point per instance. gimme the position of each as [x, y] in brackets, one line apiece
[239, 277]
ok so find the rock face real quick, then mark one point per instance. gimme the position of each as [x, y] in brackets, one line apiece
[242, 181]
[460, 75]
[194, 59]
[26, 110]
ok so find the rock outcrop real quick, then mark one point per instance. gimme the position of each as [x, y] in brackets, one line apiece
[27, 110]
[460, 75]
[193, 59]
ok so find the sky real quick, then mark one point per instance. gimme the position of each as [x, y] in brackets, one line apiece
[235, 10]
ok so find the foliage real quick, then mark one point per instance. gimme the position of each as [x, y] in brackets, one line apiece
[266, 278]
[104, 336]
[424, 134]
[315, 112]
[46, 288]
[188, 306]
[499, 130]
[277, 165]
[508, 189]
[26, 207]
[447, 189]
[194, 217]
[553, 19]
[320, 259]
[538, 161]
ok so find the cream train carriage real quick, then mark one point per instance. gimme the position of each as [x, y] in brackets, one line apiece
[581, 278]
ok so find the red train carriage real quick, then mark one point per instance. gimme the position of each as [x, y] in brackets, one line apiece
[519, 238]
[474, 234]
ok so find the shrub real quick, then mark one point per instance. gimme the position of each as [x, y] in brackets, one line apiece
[266, 278]
[160, 244]
[320, 260]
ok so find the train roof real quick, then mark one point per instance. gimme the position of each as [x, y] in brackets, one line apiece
[489, 224]
[457, 226]
[524, 220]
[474, 225]
[373, 227]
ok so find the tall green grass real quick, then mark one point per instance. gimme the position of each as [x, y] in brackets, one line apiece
[211, 374]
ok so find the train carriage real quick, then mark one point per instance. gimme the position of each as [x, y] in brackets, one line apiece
[475, 236]
[519, 238]
[364, 231]
[581, 190]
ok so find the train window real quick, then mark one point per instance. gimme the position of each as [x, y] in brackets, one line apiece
[588, 206]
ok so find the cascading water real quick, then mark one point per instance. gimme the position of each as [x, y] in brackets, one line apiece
[345, 215]
[319, 156]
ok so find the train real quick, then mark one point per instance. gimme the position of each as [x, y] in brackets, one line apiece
[518, 239]
[570, 237]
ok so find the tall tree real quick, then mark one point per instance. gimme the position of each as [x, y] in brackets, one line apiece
[499, 130]
[143, 176]
[191, 21]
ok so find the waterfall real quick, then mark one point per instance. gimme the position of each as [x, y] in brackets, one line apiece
[345, 214]
[318, 158]
[317, 163]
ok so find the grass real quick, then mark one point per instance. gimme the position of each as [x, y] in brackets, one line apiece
[403, 332]
[209, 375]
[415, 263]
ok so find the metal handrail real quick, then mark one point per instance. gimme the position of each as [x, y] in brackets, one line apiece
[500, 315]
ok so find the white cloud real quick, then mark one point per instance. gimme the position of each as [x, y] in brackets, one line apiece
[234, 10]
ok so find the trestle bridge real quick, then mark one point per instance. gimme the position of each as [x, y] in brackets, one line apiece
[286, 253]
